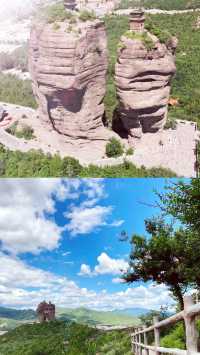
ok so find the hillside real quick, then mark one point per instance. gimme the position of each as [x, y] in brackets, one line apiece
[59, 338]
[11, 318]
[162, 4]
[17, 314]
[88, 316]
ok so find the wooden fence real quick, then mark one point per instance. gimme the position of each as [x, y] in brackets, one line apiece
[139, 337]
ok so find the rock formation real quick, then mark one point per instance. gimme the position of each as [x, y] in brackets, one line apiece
[68, 62]
[143, 73]
[45, 312]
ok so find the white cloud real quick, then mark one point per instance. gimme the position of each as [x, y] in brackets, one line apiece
[66, 253]
[117, 280]
[117, 223]
[106, 265]
[85, 270]
[26, 210]
[84, 220]
[24, 286]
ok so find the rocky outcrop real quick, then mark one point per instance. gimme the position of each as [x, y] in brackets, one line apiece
[143, 74]
[68, 63]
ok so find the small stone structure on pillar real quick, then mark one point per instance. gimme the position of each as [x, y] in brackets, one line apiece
[46, 312]
[137, 19]
[143, 74]
[70, 4]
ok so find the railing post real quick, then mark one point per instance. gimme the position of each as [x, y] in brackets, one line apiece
[137, 347]
[133, 345]
[156, 335]
[140, 341]
[146, 351]
[190, 327]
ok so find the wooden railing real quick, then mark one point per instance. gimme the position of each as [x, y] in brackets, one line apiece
[188, 315]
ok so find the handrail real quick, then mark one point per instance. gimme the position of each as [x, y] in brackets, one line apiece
[189, 314]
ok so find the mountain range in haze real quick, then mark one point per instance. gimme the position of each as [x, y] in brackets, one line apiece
[10, 317]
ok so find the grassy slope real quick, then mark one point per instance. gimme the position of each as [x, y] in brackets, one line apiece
[163, 4]
[57, 338]
[82, 315]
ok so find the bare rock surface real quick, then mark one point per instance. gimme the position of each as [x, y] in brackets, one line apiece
[68, 66]
[143, 79]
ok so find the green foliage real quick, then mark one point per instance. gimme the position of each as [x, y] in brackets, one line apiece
[59, 338]
[143, 37]
[56, 13]
[129, 151]
[175, 338]
[37, 164]
[114, 148]
[168, 257]
[172, 254]
[182, 201]
[86, 15]
[162, 34]
[162, 4]
[171, 123]
[25, 131]
[91, 317]
[16, 91]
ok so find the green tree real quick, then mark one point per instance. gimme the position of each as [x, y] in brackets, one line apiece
[167, 257]
[182, 201]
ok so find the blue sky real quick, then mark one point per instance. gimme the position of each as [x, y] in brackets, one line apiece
[60, 241]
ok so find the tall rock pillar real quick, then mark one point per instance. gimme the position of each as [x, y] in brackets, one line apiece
[143, 74]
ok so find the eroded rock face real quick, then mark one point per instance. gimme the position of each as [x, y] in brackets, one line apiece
[143, 78]
[68, 65]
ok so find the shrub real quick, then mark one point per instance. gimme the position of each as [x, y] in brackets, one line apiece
[86, 15]
[143, 37]
[171, 123]
[56, 12]
[56, 26]
[25, 132]
[70, 167]
[129, 151]
[114, 148]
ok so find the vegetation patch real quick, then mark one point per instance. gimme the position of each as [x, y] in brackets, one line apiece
[163, 35]
[114, 148]
[23, 131]
[55, 13]
[161, 4]
[143, 37]
[86, 15]
[59, 338]
[16, 91]
[37, 164]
